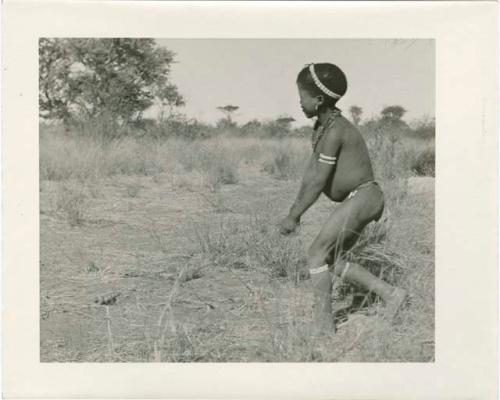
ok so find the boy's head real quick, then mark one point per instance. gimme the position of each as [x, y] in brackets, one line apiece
[320, 87]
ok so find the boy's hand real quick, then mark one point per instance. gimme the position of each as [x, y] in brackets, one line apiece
[288, 225]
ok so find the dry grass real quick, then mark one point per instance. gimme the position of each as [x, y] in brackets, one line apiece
[186, 232]
[217, 161]
[394, 156]
[387, 249]
[72, 203]
[286, 161]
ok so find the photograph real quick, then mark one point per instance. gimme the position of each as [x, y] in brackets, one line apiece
[249, 200]
[236, 200]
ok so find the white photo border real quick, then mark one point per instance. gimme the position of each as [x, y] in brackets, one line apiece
[466, 198]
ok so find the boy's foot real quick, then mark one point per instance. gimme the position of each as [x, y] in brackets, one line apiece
[394, 303]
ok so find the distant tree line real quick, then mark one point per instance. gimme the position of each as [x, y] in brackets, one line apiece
[104, 86]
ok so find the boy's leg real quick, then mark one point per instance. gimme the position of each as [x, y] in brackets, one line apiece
[393, 297]
[322, 288]
[340, 232]
[355, 273]
[333, 237]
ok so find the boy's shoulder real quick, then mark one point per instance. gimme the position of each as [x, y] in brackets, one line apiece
[343, 126]
[339, 128]
[331, 137]
[338, 133]
[342, 132]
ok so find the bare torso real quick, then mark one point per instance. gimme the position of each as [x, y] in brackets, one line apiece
[353, 161]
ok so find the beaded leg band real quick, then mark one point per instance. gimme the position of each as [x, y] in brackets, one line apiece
[318, 270]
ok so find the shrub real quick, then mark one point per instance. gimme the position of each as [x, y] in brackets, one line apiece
[424, 128]
[68, 156]
[212, 159]
[222, 171]
[397, 151]
[303, 132]
[425, 163]
[280, 165]
[285, 161]
[72, 202]
[251, 128]
[215, 239]
[180, 126]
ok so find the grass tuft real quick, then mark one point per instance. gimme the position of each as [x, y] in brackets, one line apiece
[285, 162]
[72, 203]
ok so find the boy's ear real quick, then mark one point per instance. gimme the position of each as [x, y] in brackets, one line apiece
[320, 99]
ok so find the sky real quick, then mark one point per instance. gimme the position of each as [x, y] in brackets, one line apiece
[259, 75]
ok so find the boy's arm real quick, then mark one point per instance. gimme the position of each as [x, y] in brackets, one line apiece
[319, 169]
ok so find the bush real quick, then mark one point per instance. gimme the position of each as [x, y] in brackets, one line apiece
[303, 132]
[274, 129]
[285, 161]
[222, 171]
[226, 126]
[180, 126]
[251, 128]
[266, 129]
[68, 156]
[425, 163]
[400, 153]
[280, 165]
[72, 202]
[388, 154]
[212, 159]
[424, 128]
[280, 257]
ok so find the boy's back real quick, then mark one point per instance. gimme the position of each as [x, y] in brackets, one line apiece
[353, 166]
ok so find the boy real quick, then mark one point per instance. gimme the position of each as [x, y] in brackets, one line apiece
[339, 167]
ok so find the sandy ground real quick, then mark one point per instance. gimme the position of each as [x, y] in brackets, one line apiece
[422, 185]
[138, 233]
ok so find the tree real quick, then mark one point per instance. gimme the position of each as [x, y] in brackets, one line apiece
[391, 122]
[285, 122]
[424, 127]
[251, 127]
[228, 111]
[394, 113]
[169, 99]
[282, 125]
[117, 79]
[54, 69]
[356, 113]
[169, 96]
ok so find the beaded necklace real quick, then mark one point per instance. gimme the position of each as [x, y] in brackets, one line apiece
[318, 133]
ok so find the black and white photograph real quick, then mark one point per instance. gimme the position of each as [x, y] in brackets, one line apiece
[236, 200]
[258, 200]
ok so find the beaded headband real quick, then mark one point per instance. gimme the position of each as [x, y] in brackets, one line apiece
[322, 87]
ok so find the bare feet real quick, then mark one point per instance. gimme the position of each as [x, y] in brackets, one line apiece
[394, 303]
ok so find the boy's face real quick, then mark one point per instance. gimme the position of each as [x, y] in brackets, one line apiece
[308, 102]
